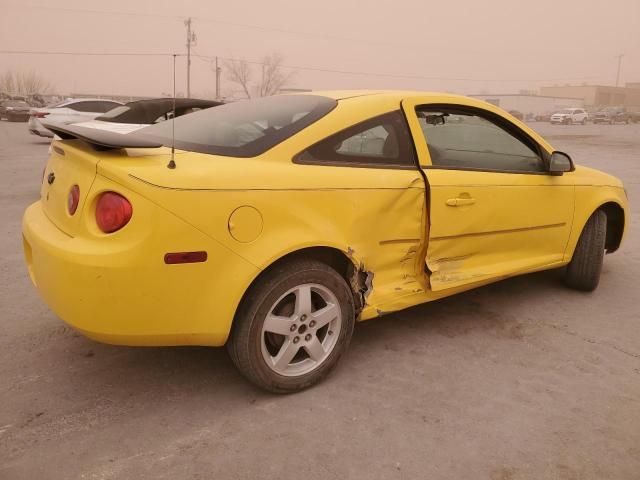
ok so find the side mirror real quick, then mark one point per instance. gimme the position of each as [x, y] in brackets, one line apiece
[559, 163]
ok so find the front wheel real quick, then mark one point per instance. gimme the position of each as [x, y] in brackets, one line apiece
[293, 326]
[583, 272]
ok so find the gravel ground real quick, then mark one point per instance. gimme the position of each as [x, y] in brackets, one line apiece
[522, 379]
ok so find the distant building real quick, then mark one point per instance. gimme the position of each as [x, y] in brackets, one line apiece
[529, 104]
[599, 95]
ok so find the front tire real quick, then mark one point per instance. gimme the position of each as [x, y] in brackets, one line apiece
[293, 326]
[583, 272]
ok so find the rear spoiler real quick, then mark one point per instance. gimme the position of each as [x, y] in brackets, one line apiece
[101, 139]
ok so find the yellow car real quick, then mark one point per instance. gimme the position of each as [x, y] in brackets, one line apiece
[278, 222]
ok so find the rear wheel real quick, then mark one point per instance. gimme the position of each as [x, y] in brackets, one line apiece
[583, 272]
[293, 326]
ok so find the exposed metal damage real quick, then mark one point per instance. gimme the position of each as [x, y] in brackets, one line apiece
[361, 281]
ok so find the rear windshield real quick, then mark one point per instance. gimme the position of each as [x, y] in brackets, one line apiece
[242, 129]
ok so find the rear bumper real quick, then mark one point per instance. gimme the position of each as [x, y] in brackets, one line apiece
[126, 295]
[36, 128]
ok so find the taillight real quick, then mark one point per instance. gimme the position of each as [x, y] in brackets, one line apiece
[72, 199]
[113, 212]
[39, 114]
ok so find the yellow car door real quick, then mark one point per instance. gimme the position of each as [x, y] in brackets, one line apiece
[494, 209]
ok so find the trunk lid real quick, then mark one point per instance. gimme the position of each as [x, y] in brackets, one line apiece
[70, 163]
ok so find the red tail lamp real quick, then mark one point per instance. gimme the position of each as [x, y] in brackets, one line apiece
[113, 212]
[72, 199]
[185, 257]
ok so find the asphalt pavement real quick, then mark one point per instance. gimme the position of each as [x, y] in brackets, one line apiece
[522, 379]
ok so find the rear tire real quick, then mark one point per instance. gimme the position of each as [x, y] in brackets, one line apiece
[583, 272]
[293, 326]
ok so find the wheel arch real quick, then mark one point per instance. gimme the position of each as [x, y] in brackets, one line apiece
[341, 261]
[615, 225]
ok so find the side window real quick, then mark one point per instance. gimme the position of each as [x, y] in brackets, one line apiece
[110, 106]
[468, 141]
[102, 107]
[77, 106]
[84, 106]
[382, 141]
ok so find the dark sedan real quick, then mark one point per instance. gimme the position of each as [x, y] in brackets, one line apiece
[14, 110]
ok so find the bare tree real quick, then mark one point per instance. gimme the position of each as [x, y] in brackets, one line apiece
[23, 83]
[272, 77]
[239, 71]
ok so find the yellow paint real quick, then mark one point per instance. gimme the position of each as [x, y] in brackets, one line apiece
[249, 212]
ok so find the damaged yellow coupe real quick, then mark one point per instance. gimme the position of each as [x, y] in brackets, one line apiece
[273, 225]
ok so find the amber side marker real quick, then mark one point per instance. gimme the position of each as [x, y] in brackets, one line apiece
[185, 257]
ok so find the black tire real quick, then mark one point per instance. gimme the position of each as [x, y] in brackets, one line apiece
[245, 343]
[583, 272]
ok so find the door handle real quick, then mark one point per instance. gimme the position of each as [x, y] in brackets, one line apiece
[459, 202]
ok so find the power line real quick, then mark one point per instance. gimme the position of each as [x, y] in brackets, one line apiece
[366, 41]
[292, 67]
[387, 75]
[97, 54]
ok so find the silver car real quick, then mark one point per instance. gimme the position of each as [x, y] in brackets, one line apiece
[69, 111]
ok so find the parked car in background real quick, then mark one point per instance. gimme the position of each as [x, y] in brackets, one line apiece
[133, 116]
[612, 115]
[634, 116]
[69, 111]
[285, 219]
[569, 116]
[14, 110]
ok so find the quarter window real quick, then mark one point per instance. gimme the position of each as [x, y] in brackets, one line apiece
[382, 141]
[469, 141]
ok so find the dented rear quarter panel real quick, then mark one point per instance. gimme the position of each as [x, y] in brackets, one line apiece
[375, 216]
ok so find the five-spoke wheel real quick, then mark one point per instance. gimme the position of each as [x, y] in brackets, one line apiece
[293, 326]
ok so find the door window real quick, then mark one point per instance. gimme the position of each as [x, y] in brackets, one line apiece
[469, 141]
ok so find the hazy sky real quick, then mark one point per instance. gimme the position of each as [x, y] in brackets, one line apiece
[492, 46]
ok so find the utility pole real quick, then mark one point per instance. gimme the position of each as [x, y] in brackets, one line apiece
[191, 39]
[218, 70]
[619, 66]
